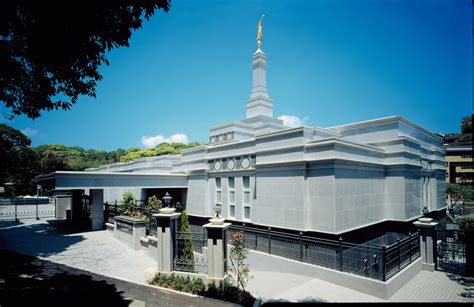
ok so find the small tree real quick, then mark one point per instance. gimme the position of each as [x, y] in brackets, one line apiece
[187, 251]
[154, 204]
[239, 269]
[127, 204]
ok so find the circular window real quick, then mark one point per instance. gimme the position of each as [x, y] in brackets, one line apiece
[245, 163]
[230, 164]
[221, 138]
[217, 165]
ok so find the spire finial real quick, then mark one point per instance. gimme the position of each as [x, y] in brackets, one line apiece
[259, 35]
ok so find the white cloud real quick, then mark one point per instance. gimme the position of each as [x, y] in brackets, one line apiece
[30, 132]
[152, 141]
[293, 121]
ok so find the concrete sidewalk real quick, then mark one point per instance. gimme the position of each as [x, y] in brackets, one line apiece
[281, 285]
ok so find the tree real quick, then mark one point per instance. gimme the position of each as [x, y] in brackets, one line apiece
[238, 254]
[50, 52]
[16, 158]
[186, 256]
[459, 193]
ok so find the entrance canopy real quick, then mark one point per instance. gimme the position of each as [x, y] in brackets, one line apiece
[63, 180]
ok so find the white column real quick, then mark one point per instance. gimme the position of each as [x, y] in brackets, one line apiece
[97, 208]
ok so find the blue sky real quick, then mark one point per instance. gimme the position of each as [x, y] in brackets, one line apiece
[328, 63]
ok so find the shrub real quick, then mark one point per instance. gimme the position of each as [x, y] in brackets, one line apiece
[154, 204]
[127, 204]
[197, 286]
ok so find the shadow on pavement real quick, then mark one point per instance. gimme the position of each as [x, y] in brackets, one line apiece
[25, 280]
[36, 238]
[466, 282]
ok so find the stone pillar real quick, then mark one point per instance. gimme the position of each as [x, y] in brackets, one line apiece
[165, 232]
[97, 209]
[76, 205]
[216, 252]
[427, 243]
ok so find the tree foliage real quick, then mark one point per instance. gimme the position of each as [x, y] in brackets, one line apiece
[17, 160]
[466, 124]
[161, 149]
[458, 193]
[50, 52]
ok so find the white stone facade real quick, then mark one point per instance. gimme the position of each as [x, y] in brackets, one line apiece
[308, 178]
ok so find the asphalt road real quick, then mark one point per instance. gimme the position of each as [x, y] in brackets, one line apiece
[29, 281]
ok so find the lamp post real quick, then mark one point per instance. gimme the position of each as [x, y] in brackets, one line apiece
[167, 199]
[218, 210]
[425, 211]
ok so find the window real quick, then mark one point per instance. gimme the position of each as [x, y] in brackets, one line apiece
[246, 181]
[246, 198]
[247, 213]
[231, 181]
[218, 191]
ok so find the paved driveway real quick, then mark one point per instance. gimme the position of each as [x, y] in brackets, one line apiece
[96, 251]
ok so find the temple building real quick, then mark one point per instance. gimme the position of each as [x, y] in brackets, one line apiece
[328, 180]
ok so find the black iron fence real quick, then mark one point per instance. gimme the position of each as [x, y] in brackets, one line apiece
[378, 262]
[190, 252]
[451, 250]
[399, 255]
[140, 210]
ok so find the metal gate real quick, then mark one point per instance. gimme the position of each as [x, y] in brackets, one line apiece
[190, 252]
[451, 250]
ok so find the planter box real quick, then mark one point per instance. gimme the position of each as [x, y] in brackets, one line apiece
[129, 230]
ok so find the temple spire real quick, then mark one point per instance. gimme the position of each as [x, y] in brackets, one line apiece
[260, 102]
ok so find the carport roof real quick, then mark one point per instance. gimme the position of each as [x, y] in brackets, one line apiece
[82, 180]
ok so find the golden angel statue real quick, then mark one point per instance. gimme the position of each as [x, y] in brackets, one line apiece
[259, 35]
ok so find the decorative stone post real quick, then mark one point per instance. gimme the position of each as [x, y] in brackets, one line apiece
[427, 243]
[216, 250]
[165, 232]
